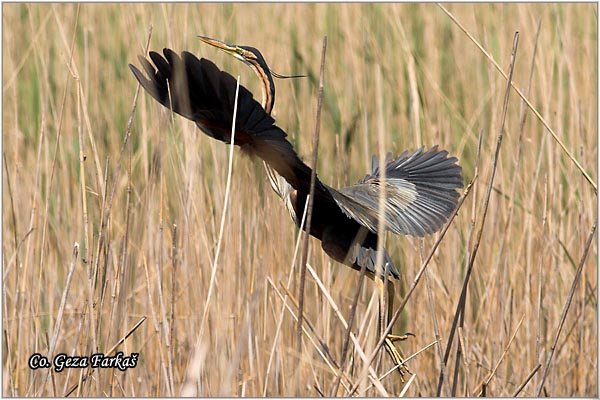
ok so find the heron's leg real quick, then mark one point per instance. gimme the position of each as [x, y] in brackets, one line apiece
[390, 306]
[386, 304]
[390, 348]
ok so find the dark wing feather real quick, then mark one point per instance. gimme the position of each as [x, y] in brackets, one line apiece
[356, 249]
[197, 90]
[359, 254]
[420, 193]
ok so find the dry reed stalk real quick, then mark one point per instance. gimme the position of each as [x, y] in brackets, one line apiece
[113, 348]
[467, 359]
[172, 310]
[87, 120]
[473, 253]
[517, 159]
[313, 177]
[82, 158]
[359, 350]
[525, 99]
[157, 329]
[74, 348]
[163, 322]
[17, 316]
[526, 381]
[9, 366]
[159, 264]
[127, 134]
[540, 297]
[504, 352]
[85, 257]
[59, 316]
[324, 349]
[213, 274]
[361, 279]
[281, 314]
[522, 120]
[567, 305]
[59, 129]
[436, 329]
[459, 351]
[46, 201]
[318, 346]
[27, 53]
[415, 109]
[384, 306]
[195, 374]
[118, 292]
[104, 222]
[12, 209]
[407, 385]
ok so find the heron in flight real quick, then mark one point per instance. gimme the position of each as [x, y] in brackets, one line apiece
[420, 187]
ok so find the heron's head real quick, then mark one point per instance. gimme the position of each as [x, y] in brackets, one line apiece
[248, 55]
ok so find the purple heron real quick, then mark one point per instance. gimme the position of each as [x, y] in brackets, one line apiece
[420, 187]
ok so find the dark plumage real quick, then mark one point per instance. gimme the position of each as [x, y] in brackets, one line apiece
[420, 188]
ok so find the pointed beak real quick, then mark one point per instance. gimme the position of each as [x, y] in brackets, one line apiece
[227, 48]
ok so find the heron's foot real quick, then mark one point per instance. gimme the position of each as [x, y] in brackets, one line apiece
[395, 338]
[394, 353]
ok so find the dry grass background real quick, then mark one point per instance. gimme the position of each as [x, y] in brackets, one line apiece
[150, 253]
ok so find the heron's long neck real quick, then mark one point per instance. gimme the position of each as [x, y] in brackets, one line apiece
[268, 88]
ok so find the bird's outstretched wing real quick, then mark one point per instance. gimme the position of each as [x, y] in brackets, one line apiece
[420, 191]
[199, 91]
